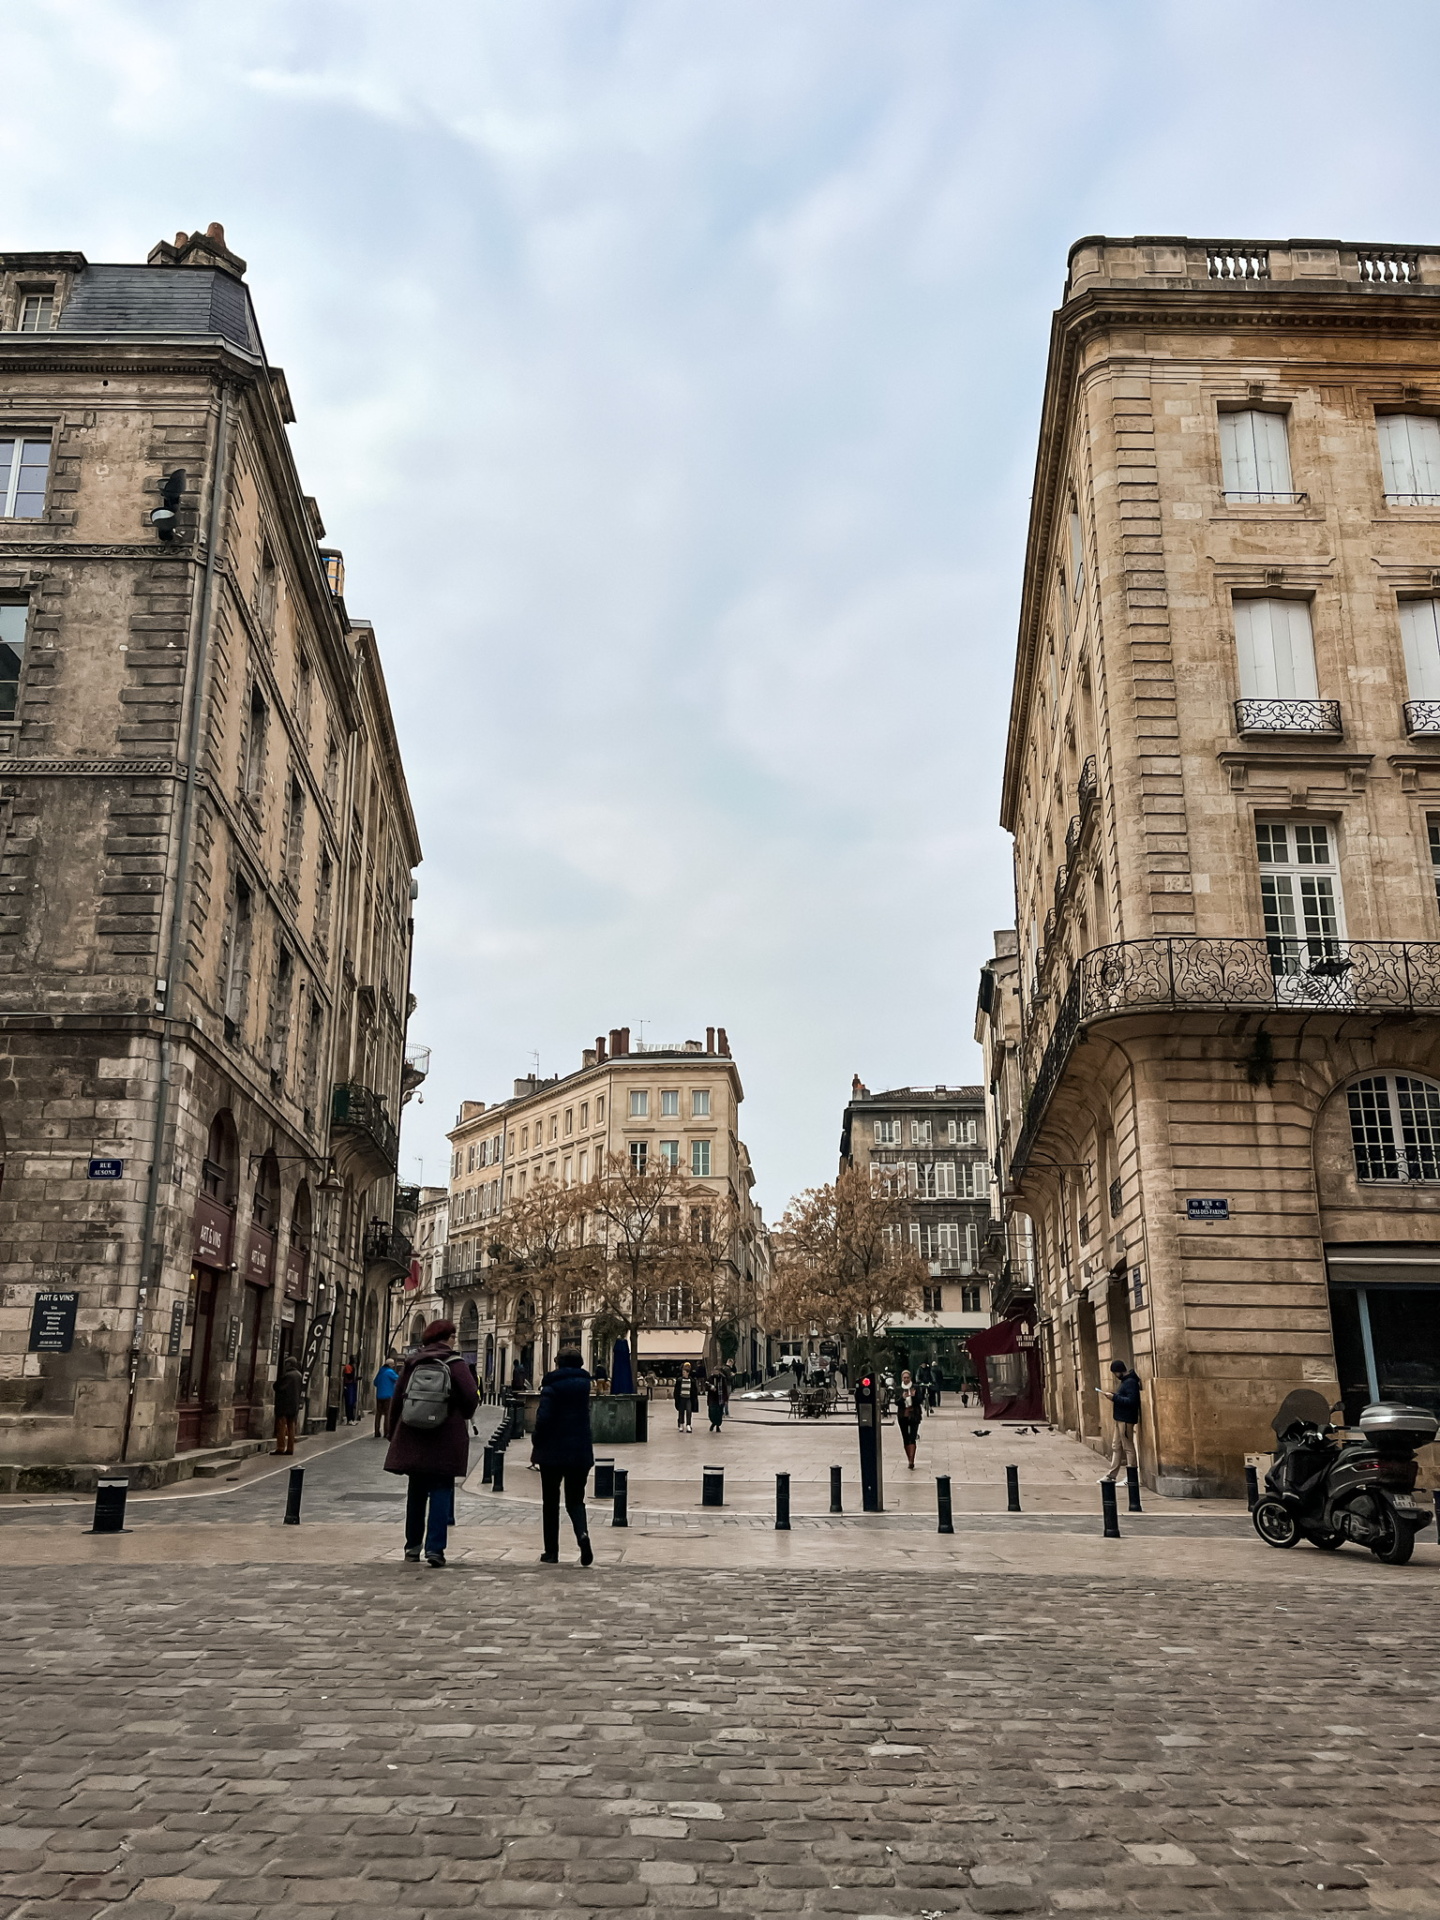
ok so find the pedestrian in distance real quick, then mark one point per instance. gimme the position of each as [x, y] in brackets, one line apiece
[350, 1392]
[430, 1439]
[563, 1452]
[717, 1399]
[289, 1392]
[385, 1381]
[687, 1399]
[1126, 1404]
[909, 1407]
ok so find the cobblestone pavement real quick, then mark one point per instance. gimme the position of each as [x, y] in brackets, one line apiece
[197, 1744]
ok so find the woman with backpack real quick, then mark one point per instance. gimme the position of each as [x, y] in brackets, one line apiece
[429, 1437]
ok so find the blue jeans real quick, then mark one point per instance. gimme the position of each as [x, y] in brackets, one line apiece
[438, 1493]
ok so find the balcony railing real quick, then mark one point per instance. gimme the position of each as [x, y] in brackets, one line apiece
[1412, 499]
[1237, 260]
[1288, 716]
[1261, 497]
[1422, 716]
[1285, 974]
[384, 1242]
[362, 1111]
[1088, 787]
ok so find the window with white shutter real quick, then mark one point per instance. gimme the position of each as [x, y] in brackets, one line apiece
[1276, 650]
[1255, 458]
[1420, 635]
[1410, 458]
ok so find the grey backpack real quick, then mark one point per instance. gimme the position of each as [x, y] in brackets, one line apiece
[427, 1395]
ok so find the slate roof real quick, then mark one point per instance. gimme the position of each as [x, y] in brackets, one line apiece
[164, 300]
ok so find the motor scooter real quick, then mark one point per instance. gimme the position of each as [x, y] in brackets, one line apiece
[1328, 1489]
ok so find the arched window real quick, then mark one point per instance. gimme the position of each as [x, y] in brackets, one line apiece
[469, 1327]
[1395, 1127]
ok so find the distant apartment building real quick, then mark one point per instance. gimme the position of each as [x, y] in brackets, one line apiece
[676, 1104]
[206, 849]
[421, 1295]
[932, 1139]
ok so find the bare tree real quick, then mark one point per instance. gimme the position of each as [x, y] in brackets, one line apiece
[540, 1262]
[843, 1261]
[641, 1252]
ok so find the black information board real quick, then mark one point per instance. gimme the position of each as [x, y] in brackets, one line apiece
[52, 1323]
[177, 1328]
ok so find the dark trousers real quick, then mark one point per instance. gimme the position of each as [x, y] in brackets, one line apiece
[552, 1479]
[382, 1415]
[437, 1492]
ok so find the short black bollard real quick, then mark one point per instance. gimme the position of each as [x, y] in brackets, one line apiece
[835, 1502]
[292, 1496]
[942, 1496]
[1107, 1505]
[1132, 1490]
[712, 1486]
[487, 1472]
[620, 1517]
[497, 1473]
[1012, 1489]
[782, 1503]
[605, 1479]
[110, 1495]
[1252, 1488]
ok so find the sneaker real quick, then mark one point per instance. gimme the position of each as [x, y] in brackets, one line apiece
[435, 1559]
[412, 1553]
[549, 1559]
[587, 1552]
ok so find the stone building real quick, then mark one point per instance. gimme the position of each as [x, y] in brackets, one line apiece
[1223, 779]
[205, 916]
[677, 1103]
[934, 1139]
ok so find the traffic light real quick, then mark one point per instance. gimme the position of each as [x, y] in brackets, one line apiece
[867, 1418]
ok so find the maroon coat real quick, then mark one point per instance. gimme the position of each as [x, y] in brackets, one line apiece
[443, 1450]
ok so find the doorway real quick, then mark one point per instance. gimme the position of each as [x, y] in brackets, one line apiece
[248, 1412]
[1089, 1358]
[195, 1399]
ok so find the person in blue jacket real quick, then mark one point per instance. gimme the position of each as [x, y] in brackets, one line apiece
[563, 1452]
[385, 1383]
[1126, 1402]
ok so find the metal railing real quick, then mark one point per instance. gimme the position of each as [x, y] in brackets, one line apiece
[1088, 787]
[1275, 973]
[1287, 716]
[386, 1242]
[363, 1111]
[1256, 497]
[1422, 716]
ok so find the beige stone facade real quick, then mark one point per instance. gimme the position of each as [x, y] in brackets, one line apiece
[680, 1102]
[1223, 779]
[205, 918]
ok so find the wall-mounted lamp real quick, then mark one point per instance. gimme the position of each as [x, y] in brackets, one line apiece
[166, 516]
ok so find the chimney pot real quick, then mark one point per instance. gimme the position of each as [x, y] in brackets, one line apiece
[615, 1047]
[587, 1057]
[709, 1039]
[599, 1048]
[724, 1043]
[624, 1039]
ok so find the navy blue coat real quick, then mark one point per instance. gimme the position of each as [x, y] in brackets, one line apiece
[1126, 1401]
[562, 1420]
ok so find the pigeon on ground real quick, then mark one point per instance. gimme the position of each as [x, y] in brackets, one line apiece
[981, 1433]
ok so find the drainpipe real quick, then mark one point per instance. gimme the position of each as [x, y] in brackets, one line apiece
[150, 1258]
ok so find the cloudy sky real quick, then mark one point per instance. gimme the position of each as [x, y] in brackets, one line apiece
[668, 371]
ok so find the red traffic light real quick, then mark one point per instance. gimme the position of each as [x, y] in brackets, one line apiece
[865, 1380]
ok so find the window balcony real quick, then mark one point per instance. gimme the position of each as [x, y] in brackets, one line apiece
[1088, 787]
[1288, 716]
[1192, 972]
[1422, 716]
[362, 1134]
[1257, 497]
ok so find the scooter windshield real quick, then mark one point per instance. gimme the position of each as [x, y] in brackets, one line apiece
[1303, 1404]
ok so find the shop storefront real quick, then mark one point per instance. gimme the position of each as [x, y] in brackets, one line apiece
[212, 1236]
[1385, 1319]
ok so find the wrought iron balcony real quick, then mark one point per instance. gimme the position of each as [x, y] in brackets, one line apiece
[360, 1113]
[386, 1245]
[1072, 838]
[1422, 716]
[1288, 716]
[1269, 973]
[1255, 497]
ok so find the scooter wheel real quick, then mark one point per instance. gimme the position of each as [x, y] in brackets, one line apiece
[1275, 1524]
[1396, 1542]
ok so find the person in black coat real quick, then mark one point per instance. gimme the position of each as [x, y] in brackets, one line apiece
[563, 1452]
[1126, 1403]
[432, 1458]
[687, 1399]
[909, 1406]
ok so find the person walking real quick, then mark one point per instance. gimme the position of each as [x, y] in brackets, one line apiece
[563, 1452]
[717, 1399]
[1126, 1402]
[429, 1437]
[289, 1392]
[385, 1381]
[350, 1392]
[909, 1407]
[687, 1399]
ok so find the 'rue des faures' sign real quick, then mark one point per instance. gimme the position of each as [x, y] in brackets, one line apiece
[1207, 1209]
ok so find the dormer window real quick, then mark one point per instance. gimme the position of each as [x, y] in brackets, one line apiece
[37, 311]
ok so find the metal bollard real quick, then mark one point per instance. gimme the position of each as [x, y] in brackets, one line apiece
[605, 1479]
[1252, 1488]
[497, 1475]
[1132, 1490]
[487, 1473]
[620, 1517]
[292, 1496]
[1107, 1505]
[782, 1503]
[835, 1502]
[1012, 1489]
[942, 1496]
[110, 1495]
[712, 1486]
